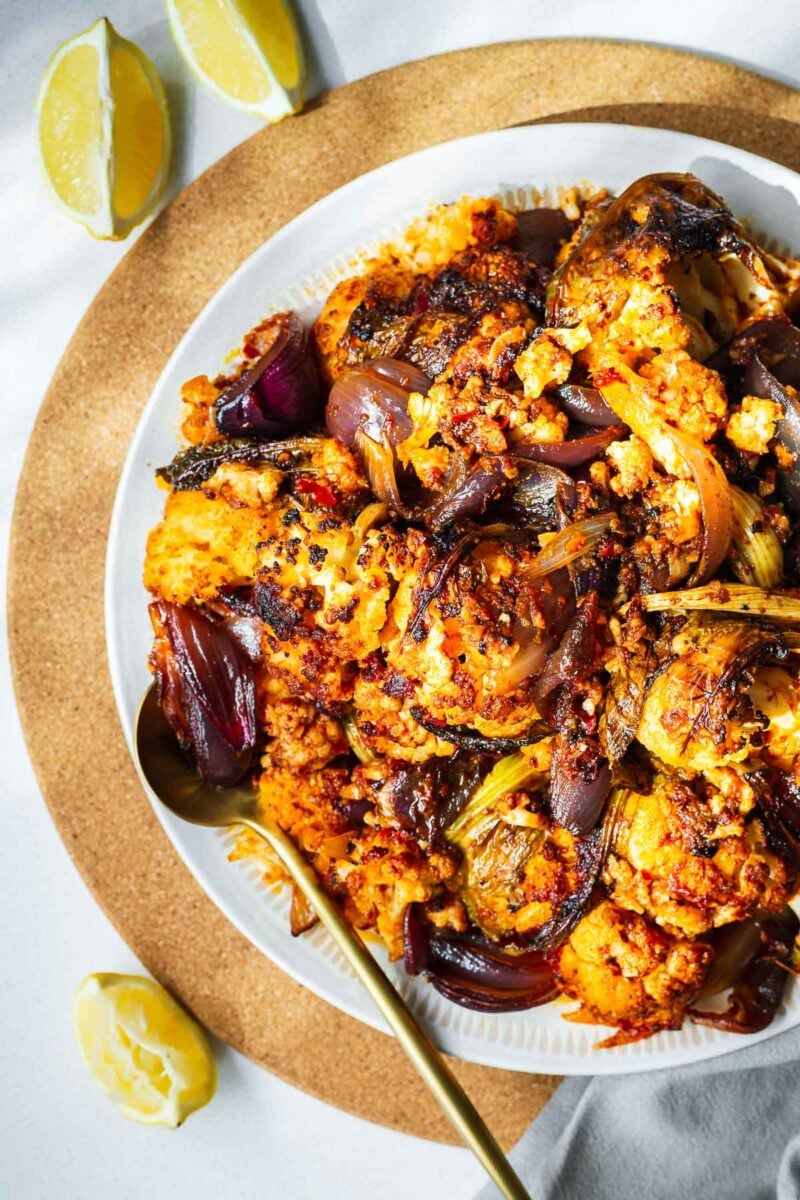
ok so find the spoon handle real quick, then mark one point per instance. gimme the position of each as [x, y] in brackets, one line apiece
[435, 1073]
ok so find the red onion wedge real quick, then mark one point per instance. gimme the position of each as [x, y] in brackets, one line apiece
[373, 398]
[471, 496]
[580, 783]
[474, 974]
[585, 405]
[206, 688]
[278, 393]
[757, 992]
[575, 451]
[541, 232]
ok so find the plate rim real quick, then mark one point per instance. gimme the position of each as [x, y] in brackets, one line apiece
[480, 1050]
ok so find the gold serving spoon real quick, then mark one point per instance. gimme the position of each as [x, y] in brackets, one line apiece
[181, 789]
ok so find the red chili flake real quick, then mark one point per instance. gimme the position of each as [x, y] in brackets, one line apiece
[608, 550]
[460, 418]
[501, 422]
[249, 350]
[320, 493]
[604, 378]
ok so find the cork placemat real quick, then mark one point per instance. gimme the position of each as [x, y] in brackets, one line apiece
[76, 454]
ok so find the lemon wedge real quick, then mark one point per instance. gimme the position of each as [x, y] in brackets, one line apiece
[247, 51]
[104, 134]
[144, 1050]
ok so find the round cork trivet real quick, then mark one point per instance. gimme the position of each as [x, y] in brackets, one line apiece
[73, 464]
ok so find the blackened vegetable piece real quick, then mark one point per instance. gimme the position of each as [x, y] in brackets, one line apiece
[469, 739]
[193, 467]
[585, 446]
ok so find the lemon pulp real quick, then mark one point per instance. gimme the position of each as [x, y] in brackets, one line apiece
[247, 51]
[144, 1050]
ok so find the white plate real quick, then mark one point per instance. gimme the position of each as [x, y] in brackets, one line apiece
[295, 269]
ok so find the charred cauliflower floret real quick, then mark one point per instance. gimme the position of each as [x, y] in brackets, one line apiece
[420, 306]
[384, 871]
[324, 587]
[691, 861]
[448, 658]
[627, 972]
[363, 302]
[692, 395]
[664, 268]
[203, 544]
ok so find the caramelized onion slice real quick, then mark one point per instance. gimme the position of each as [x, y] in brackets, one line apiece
[191, 468]
[472, 495]
[585, 404]
[474, 974]
[216, 688]
[379, 463]
[569, 544]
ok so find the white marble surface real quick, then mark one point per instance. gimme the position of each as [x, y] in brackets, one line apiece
[261, 1138]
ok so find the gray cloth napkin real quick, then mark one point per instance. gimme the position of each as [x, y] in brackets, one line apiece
[725, 1129]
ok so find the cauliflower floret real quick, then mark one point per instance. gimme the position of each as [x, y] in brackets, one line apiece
[432, 240]
[197, 396]
[751, 427]
[384, 871]
[633, 463]
[678, 505]
[243, 485]
[776, 694]
[693, 396]
[627, 972]
[689, 869]
[386, 286]
[203, 544]
[303, 737]
[323, 590]
[547, 362]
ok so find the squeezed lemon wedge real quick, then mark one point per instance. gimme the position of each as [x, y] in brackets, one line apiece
[144, 1050]
[247, 51]
[104, 133]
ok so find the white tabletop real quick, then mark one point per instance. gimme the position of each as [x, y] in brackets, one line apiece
[59, 1136]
